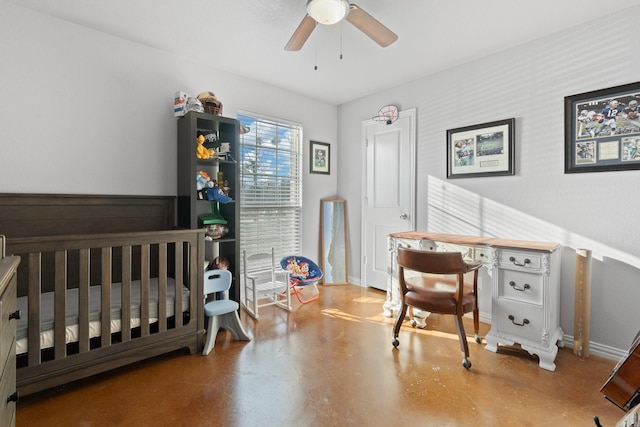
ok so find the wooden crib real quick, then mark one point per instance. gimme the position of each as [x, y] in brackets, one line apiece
[91, 302]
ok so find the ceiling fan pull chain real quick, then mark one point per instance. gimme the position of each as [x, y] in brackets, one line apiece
[341, 39]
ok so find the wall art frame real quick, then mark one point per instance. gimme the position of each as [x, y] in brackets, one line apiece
[602, 130]
[486, 149]
[319, 157]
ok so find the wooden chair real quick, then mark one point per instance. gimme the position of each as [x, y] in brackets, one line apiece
[264, 283]
[436, 291]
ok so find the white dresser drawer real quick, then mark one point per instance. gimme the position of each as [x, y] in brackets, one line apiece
[8, 387]
[7, 327]
[520, 260]
[519, 319]
[521, 286]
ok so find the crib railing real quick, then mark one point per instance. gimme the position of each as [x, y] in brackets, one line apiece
[58, 263]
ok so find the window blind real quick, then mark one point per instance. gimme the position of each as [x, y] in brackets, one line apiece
[270, 185]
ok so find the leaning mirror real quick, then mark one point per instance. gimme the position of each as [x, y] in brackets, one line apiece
[333, 220]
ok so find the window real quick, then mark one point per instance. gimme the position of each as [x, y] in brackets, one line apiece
[270, 185]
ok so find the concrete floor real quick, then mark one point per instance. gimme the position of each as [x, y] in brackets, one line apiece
[331, 363]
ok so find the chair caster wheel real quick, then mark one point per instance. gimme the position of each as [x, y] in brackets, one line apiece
[467, 364]
[478, 339]
[413, 322]
[395, 342]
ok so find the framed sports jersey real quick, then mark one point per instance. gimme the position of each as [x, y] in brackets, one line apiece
[602, 130]
[481, 150]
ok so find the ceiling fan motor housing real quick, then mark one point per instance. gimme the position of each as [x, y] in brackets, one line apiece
[328, 12]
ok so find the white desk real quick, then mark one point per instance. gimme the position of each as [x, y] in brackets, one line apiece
[525, 287]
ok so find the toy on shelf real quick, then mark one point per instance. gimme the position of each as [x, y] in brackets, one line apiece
[215, 194]
[214, 223]
[203, 181]
[211, 104]
[193, 104]
[208, 189]
[218, 263]
[203, 152]
[215, 231]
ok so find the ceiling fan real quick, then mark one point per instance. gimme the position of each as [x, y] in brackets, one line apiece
[329, 12]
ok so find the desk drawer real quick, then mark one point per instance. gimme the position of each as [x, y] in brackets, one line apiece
[469, 253]
[407, 243]
[517, 260]
[521, 286]
[519, 319]
[482, 254]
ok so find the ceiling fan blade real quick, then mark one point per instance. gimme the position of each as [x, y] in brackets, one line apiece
[301, 34]
[370, 26]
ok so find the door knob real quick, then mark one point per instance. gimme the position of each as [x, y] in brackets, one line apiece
[404, 216]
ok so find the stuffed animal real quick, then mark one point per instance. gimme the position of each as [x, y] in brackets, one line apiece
[203, 152]
[203, 180]
[218, 263]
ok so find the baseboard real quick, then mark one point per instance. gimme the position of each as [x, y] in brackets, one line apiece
[597, 349]
[354, 281]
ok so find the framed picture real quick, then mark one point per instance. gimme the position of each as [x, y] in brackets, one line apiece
[602, 130]
[481, 150]
[320, 158]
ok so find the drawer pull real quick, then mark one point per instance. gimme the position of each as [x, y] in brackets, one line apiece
[13, 397]
[513, 285]
[15, 315]
[515, 262]
[524, 321]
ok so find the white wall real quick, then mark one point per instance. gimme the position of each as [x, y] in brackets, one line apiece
[589, 210]
[87, 113]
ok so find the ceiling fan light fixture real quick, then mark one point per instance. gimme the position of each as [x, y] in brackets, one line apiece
[328, 12]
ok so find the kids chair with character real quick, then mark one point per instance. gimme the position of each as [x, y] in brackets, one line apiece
[303, 272]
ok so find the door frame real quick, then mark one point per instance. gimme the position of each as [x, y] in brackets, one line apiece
[411, 113]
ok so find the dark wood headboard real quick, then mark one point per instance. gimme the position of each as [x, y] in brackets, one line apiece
[33, 215]
[28, 216]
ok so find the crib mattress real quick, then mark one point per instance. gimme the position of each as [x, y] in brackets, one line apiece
[71, 313]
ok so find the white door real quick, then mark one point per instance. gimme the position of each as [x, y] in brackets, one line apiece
[389, 188]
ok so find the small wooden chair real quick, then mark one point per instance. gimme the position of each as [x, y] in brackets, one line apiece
[435, 291]
[264, 283]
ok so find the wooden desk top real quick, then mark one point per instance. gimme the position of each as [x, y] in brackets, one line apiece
[478, 241]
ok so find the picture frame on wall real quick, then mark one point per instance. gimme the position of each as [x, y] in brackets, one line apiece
[602, 130]
[320, 157]
[485, 149]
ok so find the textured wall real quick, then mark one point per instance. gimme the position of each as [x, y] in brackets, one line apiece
[540, 202]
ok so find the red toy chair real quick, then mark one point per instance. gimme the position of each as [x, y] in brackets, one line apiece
[303, 272]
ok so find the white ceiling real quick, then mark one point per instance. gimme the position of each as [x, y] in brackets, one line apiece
[247, 37]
